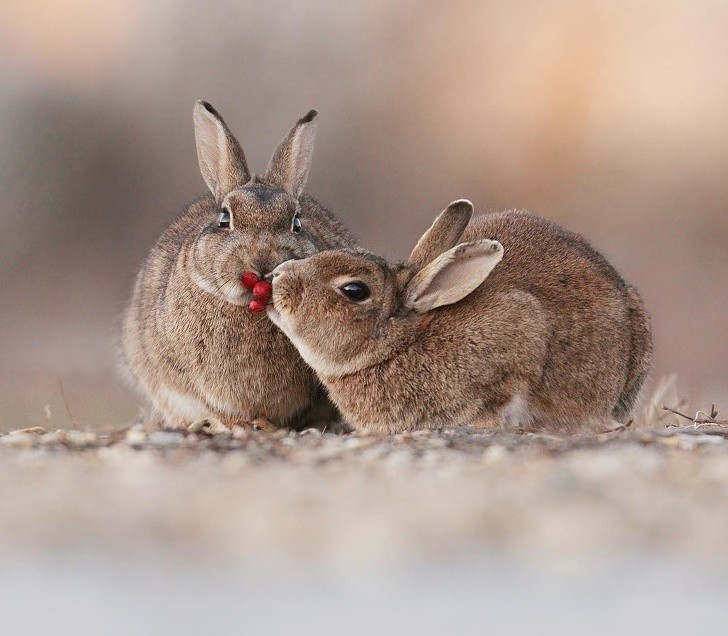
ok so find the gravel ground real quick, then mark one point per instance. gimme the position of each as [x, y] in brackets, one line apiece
[309, 517]
[358, 499]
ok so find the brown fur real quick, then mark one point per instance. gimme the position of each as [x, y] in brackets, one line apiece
[552, 338]
[189, 341]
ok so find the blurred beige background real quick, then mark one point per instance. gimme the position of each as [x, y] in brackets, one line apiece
[607, 117]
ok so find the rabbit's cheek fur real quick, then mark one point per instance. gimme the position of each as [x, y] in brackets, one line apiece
[326, 344]
[334, 335]
[219, 261]
[213, 268]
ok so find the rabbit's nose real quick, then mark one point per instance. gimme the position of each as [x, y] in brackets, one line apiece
[280, 269]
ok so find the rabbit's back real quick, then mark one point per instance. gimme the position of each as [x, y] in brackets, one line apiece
[534, 328]
[544, 258]
[598, 340]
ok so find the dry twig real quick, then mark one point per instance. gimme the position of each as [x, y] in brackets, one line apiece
[618, 429]
[701, 417]
[65, 402]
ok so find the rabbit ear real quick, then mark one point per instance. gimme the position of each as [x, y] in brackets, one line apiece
[291, 161]
[443, 234]
[453, 275]
[222, 161]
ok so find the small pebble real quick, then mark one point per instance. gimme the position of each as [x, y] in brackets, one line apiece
[80, 439]
[19, 440]
[358, 442]
[399, 458]
[430, 458]
[136, 436]
[209, 427]
[53, 439]
[241, 433]
[494, 454]
[437, 442]
[713, 440]
[165, 439]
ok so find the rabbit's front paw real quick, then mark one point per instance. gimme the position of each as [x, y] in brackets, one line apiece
[257, 424]
[214, 426]
[208, 426]
[262, 424]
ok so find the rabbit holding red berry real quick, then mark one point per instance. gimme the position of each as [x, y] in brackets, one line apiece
[521, 324]
[190, 340]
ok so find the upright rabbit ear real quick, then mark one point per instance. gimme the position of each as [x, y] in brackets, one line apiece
[291, 161]
[453, 275]
[222, 161]
[443, 234]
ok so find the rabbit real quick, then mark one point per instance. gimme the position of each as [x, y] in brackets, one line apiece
[507, 320]
[189, 341]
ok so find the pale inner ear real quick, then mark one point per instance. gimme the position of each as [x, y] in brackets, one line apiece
[222, 161]
[291, 162]
[453, 275]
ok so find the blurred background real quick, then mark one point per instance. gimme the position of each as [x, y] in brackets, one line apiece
[606, 117]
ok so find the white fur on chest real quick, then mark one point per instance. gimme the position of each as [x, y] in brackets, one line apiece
[323, 367]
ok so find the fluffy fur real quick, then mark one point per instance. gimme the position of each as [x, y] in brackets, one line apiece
[550, 336]
[189, 341]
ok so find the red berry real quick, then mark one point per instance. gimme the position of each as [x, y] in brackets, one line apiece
[262, 290]
[257, 305]
[250, 279]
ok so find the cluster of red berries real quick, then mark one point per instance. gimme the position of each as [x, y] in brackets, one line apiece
[262, 290]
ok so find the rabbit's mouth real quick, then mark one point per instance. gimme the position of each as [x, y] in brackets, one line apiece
[278, 313]
[279, 307]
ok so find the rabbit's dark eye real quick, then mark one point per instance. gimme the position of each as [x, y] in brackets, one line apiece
[224, 219]
[356, 291]
[296, 223]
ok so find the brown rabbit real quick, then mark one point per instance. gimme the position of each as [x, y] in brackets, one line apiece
[521, 324]
[189, 341]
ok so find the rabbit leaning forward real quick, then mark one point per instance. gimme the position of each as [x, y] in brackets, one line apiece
[506, 320]
[189, 341]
